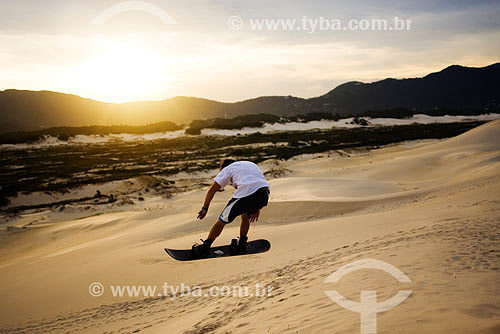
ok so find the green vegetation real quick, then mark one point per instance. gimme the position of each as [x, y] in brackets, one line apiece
[360, 121]
[59, 168]
[254, 121]
[65, 132]
[258, 120]
[315, 116]
[236, 123]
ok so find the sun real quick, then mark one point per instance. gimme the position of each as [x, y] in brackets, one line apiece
[123, 72]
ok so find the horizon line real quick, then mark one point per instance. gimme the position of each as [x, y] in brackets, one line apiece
[237, 101]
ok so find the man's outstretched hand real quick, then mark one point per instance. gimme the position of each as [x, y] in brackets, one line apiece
[202, 213]
[254, 216]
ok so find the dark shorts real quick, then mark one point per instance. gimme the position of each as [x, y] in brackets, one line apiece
[249, 204]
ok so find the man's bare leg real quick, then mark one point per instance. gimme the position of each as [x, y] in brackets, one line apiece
[245, 225]
[216, 230]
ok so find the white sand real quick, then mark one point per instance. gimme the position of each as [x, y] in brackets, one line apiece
[48, 141]
[431, 210]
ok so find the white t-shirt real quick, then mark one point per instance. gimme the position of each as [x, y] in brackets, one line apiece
[245, 176]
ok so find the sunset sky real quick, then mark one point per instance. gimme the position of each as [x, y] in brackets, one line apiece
[121, 51]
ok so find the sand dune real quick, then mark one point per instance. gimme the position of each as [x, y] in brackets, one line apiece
[429, 208]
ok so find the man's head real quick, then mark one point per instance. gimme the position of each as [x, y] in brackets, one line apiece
[225, 162]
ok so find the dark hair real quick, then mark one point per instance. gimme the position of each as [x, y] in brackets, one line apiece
[225, 162]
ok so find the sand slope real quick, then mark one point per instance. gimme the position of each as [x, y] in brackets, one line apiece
[431, 209]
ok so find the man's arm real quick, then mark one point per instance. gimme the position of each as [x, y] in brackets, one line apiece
[208, 198]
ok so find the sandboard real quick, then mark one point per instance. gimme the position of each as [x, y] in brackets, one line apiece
[254, 247]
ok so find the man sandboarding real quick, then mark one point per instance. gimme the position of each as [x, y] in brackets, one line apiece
[251, 195]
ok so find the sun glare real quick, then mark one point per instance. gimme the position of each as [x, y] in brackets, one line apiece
[121, 73]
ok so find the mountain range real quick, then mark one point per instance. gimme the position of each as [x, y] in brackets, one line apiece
[455, 87]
